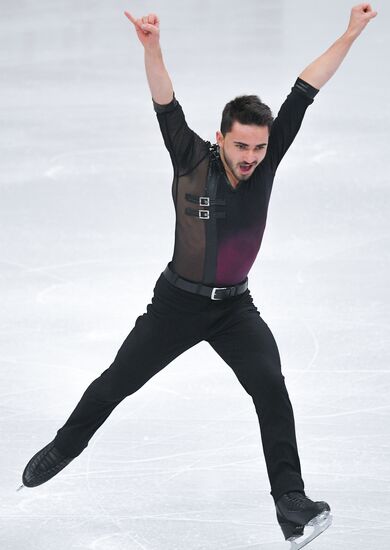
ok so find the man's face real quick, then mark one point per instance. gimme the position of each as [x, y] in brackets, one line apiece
[242, 149]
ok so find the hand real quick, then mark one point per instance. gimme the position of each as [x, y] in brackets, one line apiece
[360, 16]
[147, 28]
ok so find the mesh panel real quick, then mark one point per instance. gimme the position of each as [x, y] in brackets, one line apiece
[190, 238]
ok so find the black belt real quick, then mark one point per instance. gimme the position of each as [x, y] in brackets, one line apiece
[215, 293]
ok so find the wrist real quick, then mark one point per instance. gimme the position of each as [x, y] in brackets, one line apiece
[350, 35]
[153, 51]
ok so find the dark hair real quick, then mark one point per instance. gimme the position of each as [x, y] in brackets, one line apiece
[246, 109]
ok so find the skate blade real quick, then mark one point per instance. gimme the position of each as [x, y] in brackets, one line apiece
[20, 488]
[315, 527]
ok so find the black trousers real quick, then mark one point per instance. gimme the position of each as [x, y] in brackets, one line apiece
[174, 321]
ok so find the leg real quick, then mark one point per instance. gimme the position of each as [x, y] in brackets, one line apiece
[157, 338]
[168, 328]
[247, 345]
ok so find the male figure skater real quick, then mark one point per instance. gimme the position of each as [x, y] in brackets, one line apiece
[221, 194]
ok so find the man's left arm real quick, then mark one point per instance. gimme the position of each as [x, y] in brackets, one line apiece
[324, 67]
[288, 121]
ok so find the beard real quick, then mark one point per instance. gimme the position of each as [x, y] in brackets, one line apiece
[235, 170]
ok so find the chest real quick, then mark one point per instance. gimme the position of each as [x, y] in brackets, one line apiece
[243, 206]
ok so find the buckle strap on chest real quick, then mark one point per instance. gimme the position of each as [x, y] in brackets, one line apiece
[204, 201]
[204, 214]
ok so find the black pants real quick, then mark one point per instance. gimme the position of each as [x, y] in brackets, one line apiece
[175, 321]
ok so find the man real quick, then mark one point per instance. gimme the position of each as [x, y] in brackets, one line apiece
[221, 194]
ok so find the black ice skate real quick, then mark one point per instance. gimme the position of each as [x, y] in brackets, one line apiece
[301, 519]
[44, 465]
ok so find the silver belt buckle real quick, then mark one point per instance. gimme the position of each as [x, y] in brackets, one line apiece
[215, 290]
[204, 214]
[204, 201]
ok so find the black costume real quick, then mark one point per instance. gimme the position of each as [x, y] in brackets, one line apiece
[218, 234]
[219, 228]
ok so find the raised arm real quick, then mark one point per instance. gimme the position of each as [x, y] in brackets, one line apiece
[323, 68]
[148, 32]
[185, 147]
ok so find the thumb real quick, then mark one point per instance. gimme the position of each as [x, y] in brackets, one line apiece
[368, 11]
[149, 28]
[370, 15]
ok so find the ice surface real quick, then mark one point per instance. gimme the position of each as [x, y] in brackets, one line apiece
[87, 227]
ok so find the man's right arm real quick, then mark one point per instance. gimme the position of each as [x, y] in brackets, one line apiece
[148, 32]
[185, 147]
[158, 78]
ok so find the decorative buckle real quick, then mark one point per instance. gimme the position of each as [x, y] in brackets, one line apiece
[214, 291]
[204, 201]
[204, 214]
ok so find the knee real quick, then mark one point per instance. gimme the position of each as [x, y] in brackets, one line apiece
[114, 384]
[264, 377]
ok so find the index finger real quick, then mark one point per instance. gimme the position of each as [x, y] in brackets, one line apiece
[132, 19]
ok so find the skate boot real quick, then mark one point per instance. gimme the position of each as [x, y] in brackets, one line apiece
[44, 465]
[301, 519]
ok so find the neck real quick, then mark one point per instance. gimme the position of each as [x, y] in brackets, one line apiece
[229, 174]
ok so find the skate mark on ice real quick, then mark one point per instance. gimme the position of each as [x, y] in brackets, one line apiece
[114, 520]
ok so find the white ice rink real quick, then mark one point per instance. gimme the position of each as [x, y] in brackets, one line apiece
[87, 224]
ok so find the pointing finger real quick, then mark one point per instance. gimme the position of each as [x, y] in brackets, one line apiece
[132, 19]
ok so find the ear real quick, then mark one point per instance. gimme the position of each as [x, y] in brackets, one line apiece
[219, 138]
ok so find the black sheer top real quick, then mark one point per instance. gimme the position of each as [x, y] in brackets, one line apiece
[219, 228]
